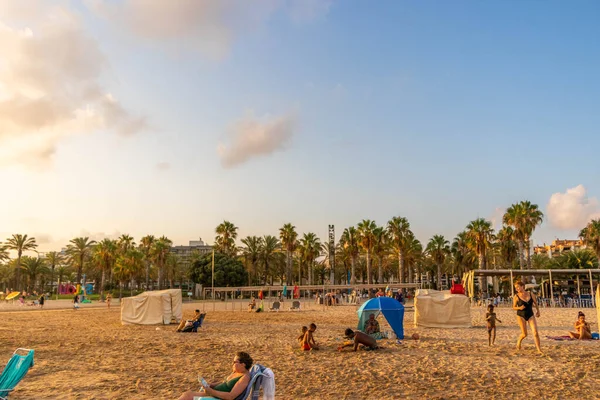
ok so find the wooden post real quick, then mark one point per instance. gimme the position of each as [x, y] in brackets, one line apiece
[578, 288]
[512, 285]
[551, 291]
[592, 289]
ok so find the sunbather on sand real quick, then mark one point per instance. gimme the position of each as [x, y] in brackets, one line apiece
[582, 328]
[231, 387]
[188, 322]
[359, 338]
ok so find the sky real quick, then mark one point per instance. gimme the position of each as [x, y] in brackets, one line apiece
[168, 117]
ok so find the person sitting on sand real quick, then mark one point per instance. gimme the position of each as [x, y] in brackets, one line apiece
[301, 337]
[582, 328]
[359, 338]
[308, 342]
[188, 322]
[231, 387]
[371, 326]
[252, 305]
[491, 319]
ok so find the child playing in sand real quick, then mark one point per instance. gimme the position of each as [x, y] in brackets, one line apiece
[358, 338]
[308, 342]
[582, 328]
[491, 319]
[301, 337]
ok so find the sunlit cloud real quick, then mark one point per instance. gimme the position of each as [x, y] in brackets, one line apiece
[572, 209]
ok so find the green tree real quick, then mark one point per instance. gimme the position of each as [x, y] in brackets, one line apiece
[229, 271]
[33, 268]
[146, 244]
[463, 256]
[4, 256]
[125, 242]
[380, 250]
[413, 255]
[591, 236]
[366, 230]
[350, 242]
[53, 259]
[105, 256]
[268, 257]
[509, 247]
[160, 248]
[20, 243]
[225, 239]
[399, 230]
[524, 217]
[578, 259]
[128, 266]
[311, 249]
[289, 241]
[438, 249]
[251, 255]
[79, 250]
[479, 237]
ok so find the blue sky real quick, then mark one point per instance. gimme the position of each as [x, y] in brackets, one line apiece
[438, 111]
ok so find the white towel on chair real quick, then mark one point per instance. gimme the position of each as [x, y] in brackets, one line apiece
[268, 384]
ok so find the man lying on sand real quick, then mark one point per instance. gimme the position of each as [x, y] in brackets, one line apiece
[359, 338]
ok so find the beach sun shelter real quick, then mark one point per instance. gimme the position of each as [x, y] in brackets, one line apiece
[151, 308]
[392, 310]
[441, 309]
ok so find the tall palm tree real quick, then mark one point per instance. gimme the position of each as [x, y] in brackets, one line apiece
[105, 255]
[438, 248]
[79, 250]
[4, 256]
[225, 239]
[533, 218]
[125, 242]
[270, 248]
[33, 267]
[158, 253]
[480, 235]
[251, 254]
[311, 249]
[173, 265]
[289, 241]
[366, 230]
[464, 258]
[350, 242]
[20, 243]
[591, 236]
[413, 255]
[401, 237]
[380, 249]
[146, 246]
[53, 259]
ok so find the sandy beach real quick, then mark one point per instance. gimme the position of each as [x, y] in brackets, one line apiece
[88, 354]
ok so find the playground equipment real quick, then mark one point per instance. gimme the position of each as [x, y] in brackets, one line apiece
[12, 295]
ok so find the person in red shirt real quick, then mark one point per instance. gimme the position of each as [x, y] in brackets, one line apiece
[457, 288]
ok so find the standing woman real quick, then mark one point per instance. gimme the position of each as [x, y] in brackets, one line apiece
[523, 302]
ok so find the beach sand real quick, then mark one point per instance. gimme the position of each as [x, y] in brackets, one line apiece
[88, 354]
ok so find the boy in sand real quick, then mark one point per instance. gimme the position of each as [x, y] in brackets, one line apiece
[491, 319]
[359, 338]
[308, 342]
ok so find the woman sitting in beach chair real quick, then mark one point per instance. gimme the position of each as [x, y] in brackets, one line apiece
[189, 324]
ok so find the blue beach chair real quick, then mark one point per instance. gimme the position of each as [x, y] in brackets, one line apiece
[15, 370]
[257, 374]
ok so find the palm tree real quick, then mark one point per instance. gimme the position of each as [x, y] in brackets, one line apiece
[225, 239]
[479, 237]
[401, 237]
[591, 236]
[62, 271]
[349, 241]
[53, 259]
[269, 250]
[79, 251]
[173, 264]
[20, 243]
[33, 266]
[380, 249]
[125, 242]
[462, 255]
[366, 230]
[105, 255]
[438, 248]
[4, 256]
[251, 254]
[146, 246]
[413, 255]
[533, 218]
[289, 241]
[508, 245]
[159, 251]
[311, 249]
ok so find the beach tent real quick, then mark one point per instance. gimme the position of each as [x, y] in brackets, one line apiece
[149, 308]
[440, 309]
[392, 310]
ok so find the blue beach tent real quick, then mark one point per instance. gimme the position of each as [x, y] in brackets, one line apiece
[392, 310]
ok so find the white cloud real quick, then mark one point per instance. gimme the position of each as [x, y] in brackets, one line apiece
[50, 84]
[163, 166]
[207, 26]
[572, 209]
[496, 218]
[252, 137]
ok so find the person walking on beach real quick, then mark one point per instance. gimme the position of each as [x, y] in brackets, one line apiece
[42, 299]
[76, 302]
[108, 299]
[523, 303]
[491, 319]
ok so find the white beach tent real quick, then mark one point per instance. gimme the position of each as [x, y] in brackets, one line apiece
[150, 308]
[440, 309]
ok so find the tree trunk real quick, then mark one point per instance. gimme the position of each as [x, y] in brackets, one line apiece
[369, 277]
[102, 284]
[120, 290]
[528, 253]
[380, 271]
[147, 275]
[160, 276]
[521, 259]
[299, 273]
[481, 278]
[438, 284]
[353, 266]
[288, 274]
[52, 281]
[401, 267]
[18, 272]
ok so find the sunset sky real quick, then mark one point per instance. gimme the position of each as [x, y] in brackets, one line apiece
[167, 117]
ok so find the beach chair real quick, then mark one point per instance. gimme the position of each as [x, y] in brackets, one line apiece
[195, 325]
[275, 306]
[15, 370]
[295, 305]
[260, 376]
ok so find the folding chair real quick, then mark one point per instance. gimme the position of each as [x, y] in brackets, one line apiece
[258, 375]
[295, 305]
[275, 306]
[15, 371]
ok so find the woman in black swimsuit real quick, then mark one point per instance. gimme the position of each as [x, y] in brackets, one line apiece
[524, 302]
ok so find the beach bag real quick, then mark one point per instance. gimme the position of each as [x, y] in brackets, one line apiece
[595, 336]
